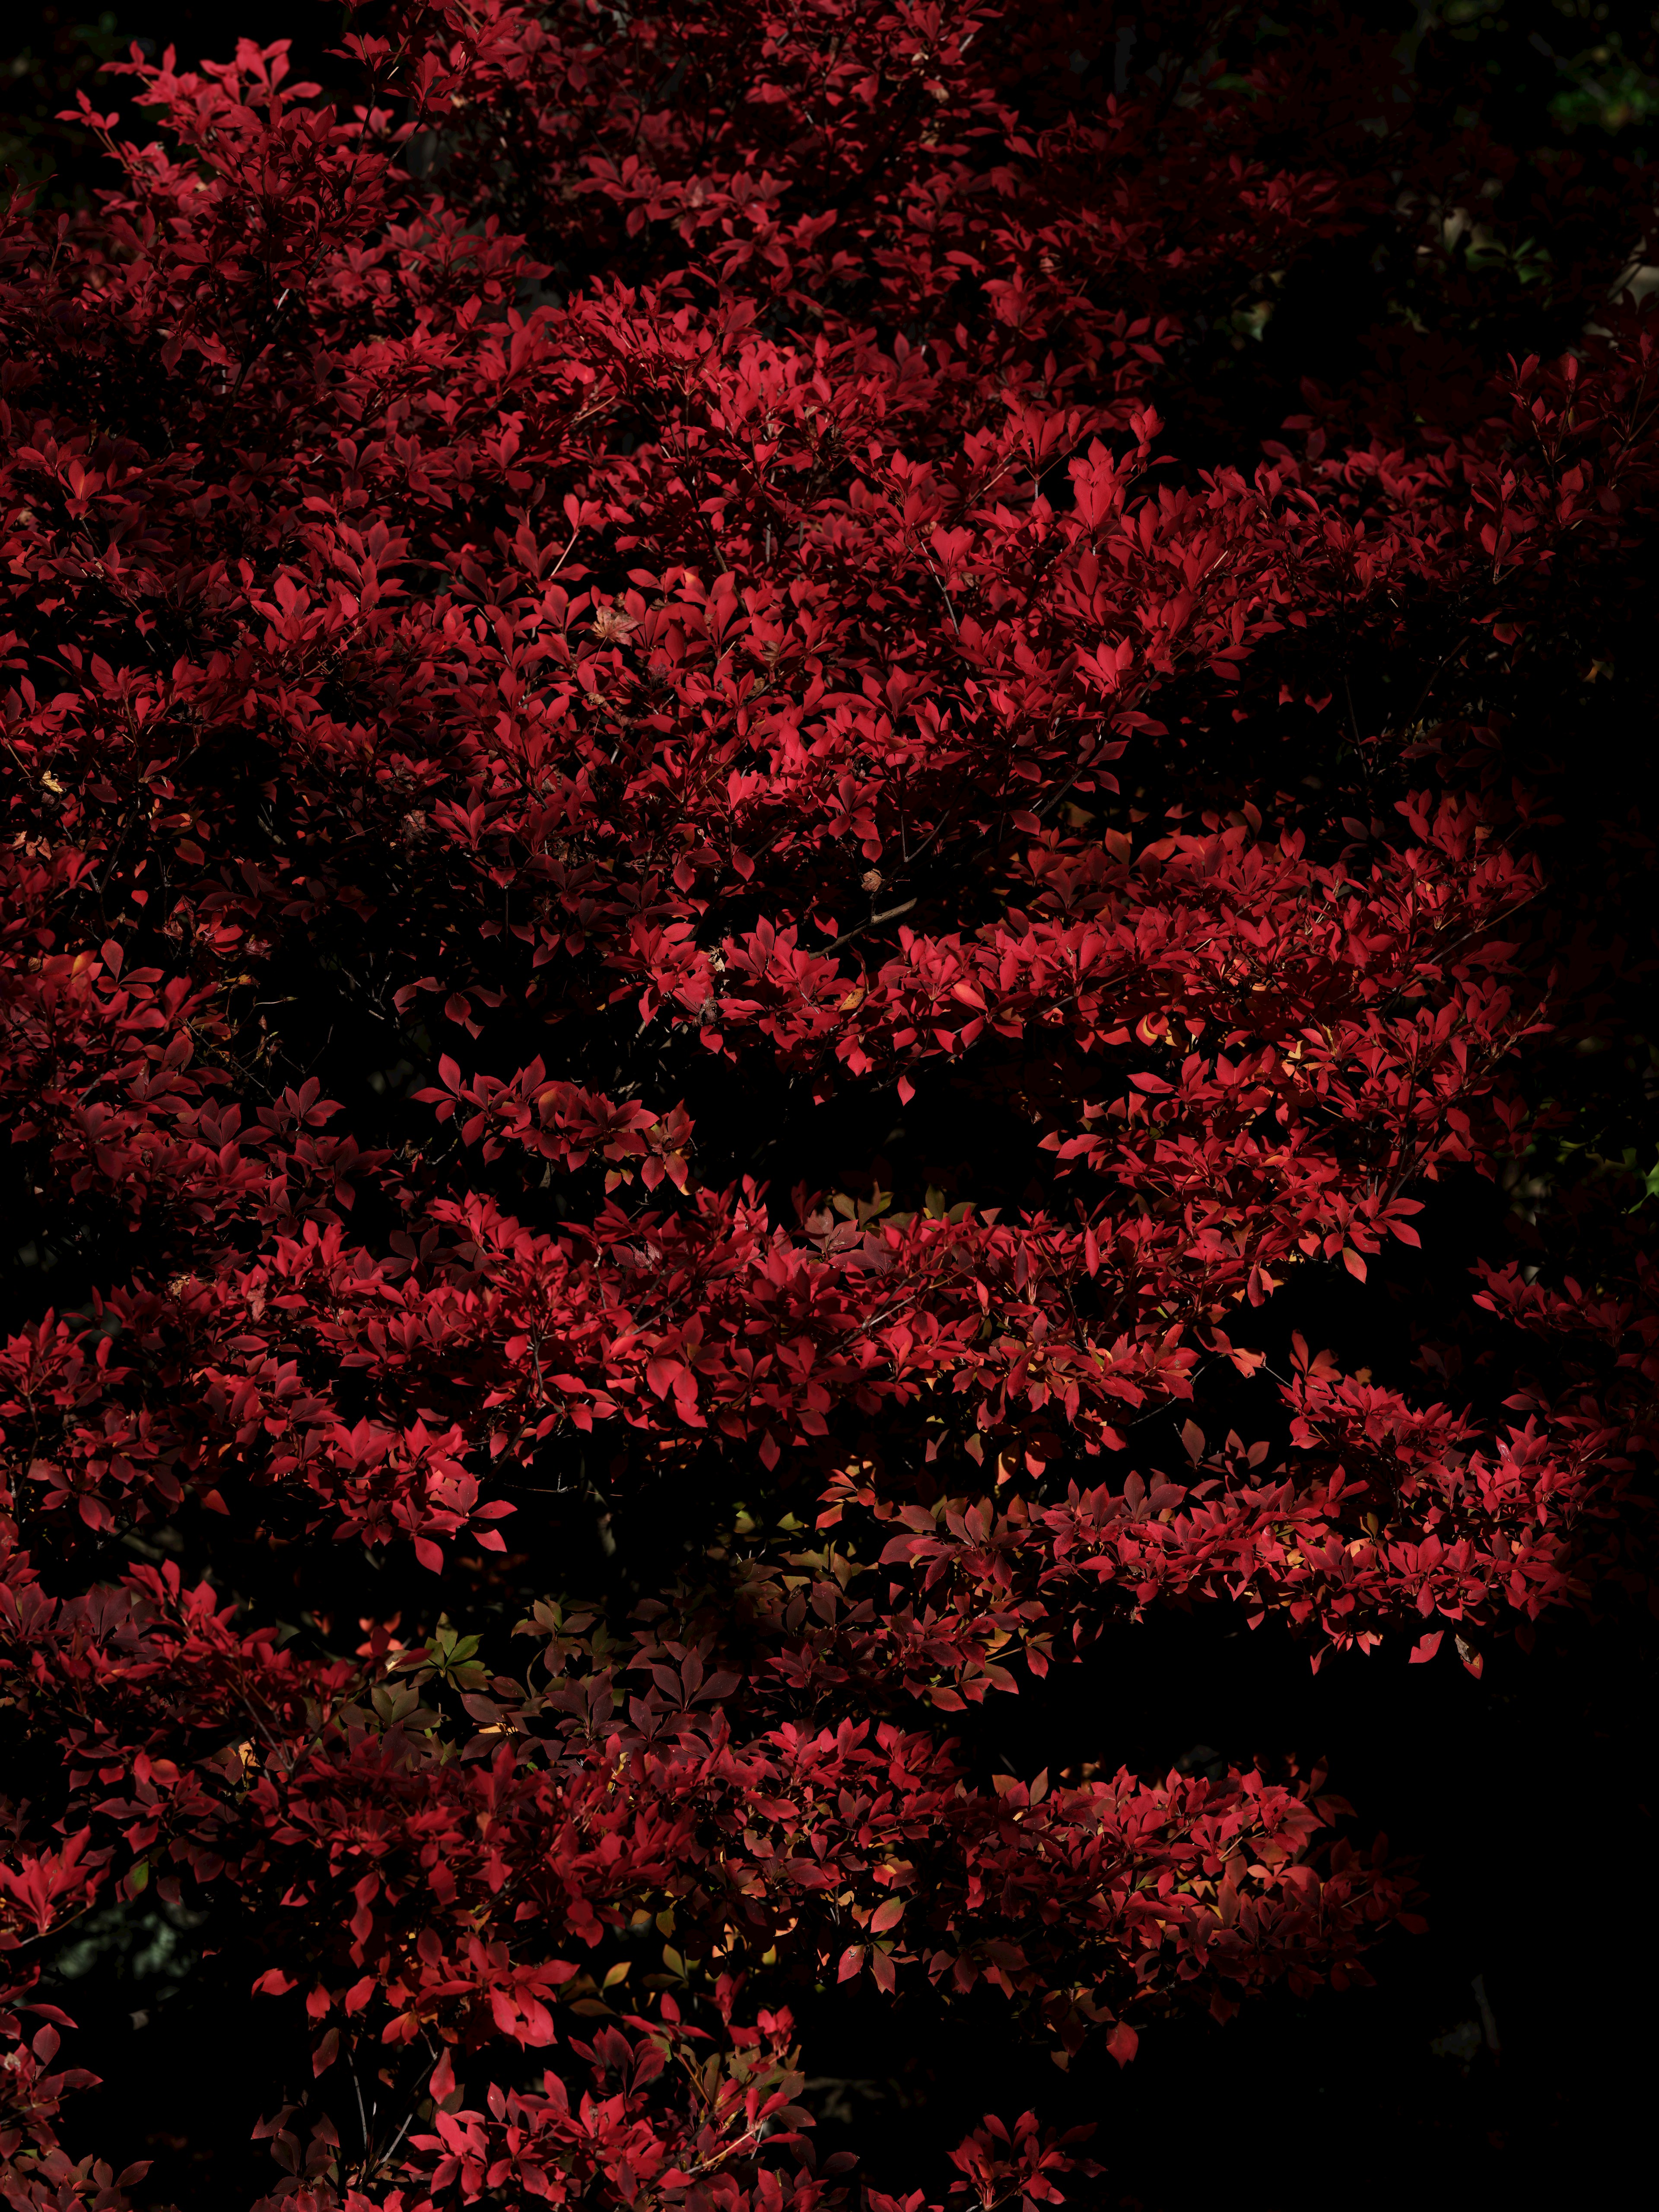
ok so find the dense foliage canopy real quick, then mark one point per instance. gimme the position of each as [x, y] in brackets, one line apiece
[786, 786]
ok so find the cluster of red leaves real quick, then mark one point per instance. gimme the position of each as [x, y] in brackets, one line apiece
[783, 668]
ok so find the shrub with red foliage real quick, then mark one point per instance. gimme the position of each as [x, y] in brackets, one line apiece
[733, 897]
